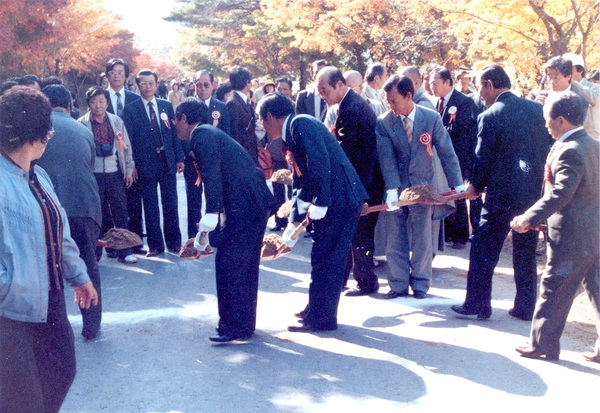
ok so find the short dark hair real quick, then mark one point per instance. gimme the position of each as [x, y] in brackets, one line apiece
[223, 89]
[443, 73]
[29, 80]
[374, 69]
[146, 72]
[334, 75]
[117, 61]
[564, 66]
[495, 74]
[51, 80]
[59, 96]
[284, 79]
[402, 84]
[96, 91]
[239, 78]
[202, 72]
[569, 105]
[24, 117]
[277, 104]
[317, 63]
[194, 110]
[4, 86]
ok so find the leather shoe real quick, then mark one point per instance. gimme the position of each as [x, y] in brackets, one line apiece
[229, 337]
[458, 246]
[300, 314]
[516, 314]
[307, 328]
[357, 292]
[395, 294]
[460, 309]
[153, 253]
[139, 251]
[593, 357]
[419, 295]
[531, 353]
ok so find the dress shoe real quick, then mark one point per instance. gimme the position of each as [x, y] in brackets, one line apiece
[395, 294]
[593, 357]
[481, 315]
[139, 251]
[516, 314]
[307, 328]
[357, 292]
[458, 246]
[229, 337]
[419, 295]
[112, 254]
[531, 353]
[300, 314]
[130, 259]
[175, 249]
[153, 253]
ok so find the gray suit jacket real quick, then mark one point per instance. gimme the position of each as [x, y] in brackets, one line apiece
[405, 165]
[570, 200]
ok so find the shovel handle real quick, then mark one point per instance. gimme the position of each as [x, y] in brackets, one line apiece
[300, 228]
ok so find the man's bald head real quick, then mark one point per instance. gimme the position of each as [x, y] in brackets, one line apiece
[331, 85]
[414, 75]
[354, 80]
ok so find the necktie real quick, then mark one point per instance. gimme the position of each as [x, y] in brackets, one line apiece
[323, 111]
[440, 105]
[155, 127]
[407, 129]
[119, 104]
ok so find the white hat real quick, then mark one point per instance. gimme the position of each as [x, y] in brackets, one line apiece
[575, 59]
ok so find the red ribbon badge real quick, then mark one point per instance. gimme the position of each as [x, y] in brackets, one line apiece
[165, 119]
[425, 140]
[119, 136]
[216, 115]
[291, 160]
[452, 112]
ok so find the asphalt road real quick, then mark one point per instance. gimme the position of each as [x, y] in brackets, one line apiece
[153, 352]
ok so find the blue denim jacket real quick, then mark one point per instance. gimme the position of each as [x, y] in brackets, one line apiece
[24, 282]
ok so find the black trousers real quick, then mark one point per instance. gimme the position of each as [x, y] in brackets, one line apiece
[331, 244]
[279, 193]
[85, 233]
[114, 205]
[361, 254]
[236, 266]
[193, 196]
[486, 246]
[37, 361]
[168, 196]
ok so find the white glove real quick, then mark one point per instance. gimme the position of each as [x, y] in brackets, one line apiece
[460, 188]
[316, 212]
[208, 222]
[391, 196]
[197, 242]
[286, 235]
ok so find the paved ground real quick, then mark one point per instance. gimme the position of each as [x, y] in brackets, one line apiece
[153, 353]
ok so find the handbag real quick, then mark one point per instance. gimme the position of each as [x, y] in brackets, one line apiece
[265, 162]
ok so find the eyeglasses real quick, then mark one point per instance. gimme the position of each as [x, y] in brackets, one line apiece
[147, 84]
[116, 73]
[204, 85]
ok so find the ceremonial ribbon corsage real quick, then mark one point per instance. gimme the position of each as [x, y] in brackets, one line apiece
[216, 115]
[165, 119]
[425, 140]
[452, 112]
[122, 145]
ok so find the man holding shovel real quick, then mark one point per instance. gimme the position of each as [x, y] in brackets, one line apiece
[328, 191]
[238, 205]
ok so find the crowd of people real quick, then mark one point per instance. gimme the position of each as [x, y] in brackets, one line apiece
[349, 143]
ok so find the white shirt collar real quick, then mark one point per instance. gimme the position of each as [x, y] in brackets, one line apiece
[411, 115]
[114, 92]
[569, 133]
[285, 128]
[447, 97]
[207, 103]
[242, 95]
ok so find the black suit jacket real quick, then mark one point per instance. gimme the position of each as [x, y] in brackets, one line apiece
[243, 125]
[223, 122]
[142, 140]
[129, 97]
[327, 176]
[305, 104]
[355, 130]
[233, 184]
[462, 130]
[512, 145]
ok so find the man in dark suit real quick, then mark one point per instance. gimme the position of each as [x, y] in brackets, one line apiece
[406, 138]
[354, 129]
[569, 204]
[512, 145]
[158, 158]
[308, 101]
[238, 205]
[219, 117]
[456, 110]
[241, 111]
[117, 72]
[327, 189]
